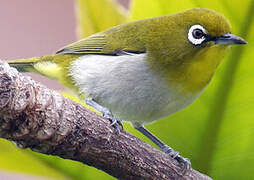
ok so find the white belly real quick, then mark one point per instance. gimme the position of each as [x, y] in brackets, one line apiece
[128, 87]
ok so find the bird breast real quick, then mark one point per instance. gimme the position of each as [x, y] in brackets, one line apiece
[128, 87]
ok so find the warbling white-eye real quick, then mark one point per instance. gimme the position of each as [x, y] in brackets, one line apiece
[144, 70]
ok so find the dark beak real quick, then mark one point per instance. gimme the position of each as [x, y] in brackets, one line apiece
[229, 39]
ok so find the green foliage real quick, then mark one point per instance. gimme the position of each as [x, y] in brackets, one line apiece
[215, 132]
[149, 8]
[15, 159]
[98, 15]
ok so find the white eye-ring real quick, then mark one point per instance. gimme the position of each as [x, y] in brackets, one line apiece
[197, 34]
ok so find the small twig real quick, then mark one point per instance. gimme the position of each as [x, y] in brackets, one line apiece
[41, 119]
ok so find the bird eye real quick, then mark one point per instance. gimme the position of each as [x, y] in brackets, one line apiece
[197, 34]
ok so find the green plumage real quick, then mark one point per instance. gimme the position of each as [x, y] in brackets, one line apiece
[155, 35]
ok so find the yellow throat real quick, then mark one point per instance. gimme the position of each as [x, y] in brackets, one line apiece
[195, 73]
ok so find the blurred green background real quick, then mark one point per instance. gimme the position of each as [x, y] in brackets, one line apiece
[216, 132]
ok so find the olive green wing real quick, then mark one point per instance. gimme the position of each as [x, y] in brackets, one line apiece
[114, 41]
[91, 45]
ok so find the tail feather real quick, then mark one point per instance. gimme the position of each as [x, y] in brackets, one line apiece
[24, 65]
[51, 66]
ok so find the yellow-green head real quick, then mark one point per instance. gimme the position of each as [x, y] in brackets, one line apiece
[187, 46]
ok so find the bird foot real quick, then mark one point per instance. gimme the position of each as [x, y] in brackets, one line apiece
[175, 155]
[116, 123]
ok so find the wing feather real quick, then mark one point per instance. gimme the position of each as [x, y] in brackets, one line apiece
[91, 45]
[112, 41]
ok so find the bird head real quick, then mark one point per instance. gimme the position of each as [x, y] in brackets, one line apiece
[190, 45]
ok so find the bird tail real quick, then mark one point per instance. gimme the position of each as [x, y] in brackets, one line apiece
[25, 65]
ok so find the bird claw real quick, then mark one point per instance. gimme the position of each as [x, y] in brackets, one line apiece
[185, 162]
[175, 155]
[116, 123]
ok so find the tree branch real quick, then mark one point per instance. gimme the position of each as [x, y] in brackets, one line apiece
[41, 119]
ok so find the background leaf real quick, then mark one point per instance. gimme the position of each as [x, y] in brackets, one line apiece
[12, 158]
[98, 15]
[149, 8]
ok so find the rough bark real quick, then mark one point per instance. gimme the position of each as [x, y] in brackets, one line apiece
[41, 119]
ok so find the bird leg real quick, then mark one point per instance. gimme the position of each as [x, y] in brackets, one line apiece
[116, 123]
[165, 148]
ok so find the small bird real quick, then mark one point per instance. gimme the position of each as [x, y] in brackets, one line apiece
[142, 71]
